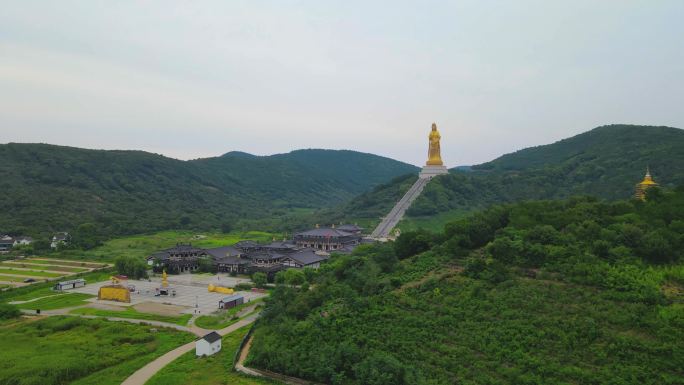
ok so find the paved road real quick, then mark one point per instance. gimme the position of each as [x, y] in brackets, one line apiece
[146, 372]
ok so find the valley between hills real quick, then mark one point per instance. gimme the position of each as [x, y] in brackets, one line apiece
[537, 267]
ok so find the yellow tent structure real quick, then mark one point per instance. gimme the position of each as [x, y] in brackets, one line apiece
[117, 293]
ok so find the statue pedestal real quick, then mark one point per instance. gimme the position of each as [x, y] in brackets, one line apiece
[432, 171]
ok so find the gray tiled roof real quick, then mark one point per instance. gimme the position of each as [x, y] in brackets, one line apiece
[325, 232]
[306, 257]
[220, 252]
[350, 227]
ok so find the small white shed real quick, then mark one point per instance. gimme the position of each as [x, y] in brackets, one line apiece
[208, 345]
[73, 284]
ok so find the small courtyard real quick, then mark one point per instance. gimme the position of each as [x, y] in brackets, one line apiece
[192, 295]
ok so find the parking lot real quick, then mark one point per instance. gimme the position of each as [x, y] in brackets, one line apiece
[191, 292]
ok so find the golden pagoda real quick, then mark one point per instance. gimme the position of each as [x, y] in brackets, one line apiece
[644, 185]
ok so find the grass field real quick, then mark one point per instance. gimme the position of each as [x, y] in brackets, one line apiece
[24, 265]
[8, 278]
[32, 273]
[58, 301]
[433, 223]
[71, 350]
[225, 318]
[88, 265]
[43, 289]
[213, 370]
[143, 245]
[130, 312]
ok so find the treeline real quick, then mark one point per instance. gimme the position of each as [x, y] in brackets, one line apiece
[573, 291]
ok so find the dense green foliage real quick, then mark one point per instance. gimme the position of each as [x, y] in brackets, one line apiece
[131, 267]
[8, 311]
[97, 194]
[605, 162]
[66, 350]
[578, 291]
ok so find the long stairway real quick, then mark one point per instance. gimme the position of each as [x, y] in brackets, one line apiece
[394, 216]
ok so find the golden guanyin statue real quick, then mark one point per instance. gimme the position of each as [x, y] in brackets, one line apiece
[434, 155]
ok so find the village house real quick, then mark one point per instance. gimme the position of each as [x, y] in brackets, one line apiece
[232, 301]
[6, 243]
[208, 345]
[60, 239]
[22, 241]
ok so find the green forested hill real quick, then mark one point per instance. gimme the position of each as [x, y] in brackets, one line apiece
[53, 188]
[576, 291]
[605, 162]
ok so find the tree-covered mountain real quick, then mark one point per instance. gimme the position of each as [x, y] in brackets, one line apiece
[605, 162]
[576, 291]
[53, 188]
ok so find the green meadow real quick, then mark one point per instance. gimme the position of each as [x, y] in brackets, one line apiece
[42, 267]
[72, 350]
[212, 370]
[130, 312]
[31, 273]
[88, 265]
[9, 278]
[145, 244]
[58, 301]
[224, 318]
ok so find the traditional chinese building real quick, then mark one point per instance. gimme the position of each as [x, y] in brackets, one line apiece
[309, 249]
[328, 239]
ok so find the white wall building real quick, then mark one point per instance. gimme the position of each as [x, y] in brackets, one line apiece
[208, 345]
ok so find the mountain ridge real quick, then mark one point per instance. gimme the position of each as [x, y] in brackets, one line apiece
[57, 188]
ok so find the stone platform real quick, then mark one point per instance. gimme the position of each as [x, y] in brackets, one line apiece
[432, 171]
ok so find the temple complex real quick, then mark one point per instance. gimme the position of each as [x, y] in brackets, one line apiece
[644, 185]
[308, 249]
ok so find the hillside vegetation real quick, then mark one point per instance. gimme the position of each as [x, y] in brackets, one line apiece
[605, 162]
[50, 188]
[576, 291]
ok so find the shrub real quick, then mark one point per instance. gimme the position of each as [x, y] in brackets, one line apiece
[8, 311]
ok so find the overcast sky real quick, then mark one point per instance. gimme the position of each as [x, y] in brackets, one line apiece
[192, 79]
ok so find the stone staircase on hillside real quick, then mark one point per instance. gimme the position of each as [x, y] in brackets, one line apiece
[392, 219]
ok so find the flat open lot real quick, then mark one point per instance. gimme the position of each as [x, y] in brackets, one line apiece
[191, 290]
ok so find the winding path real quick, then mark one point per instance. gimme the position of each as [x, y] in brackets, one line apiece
[143, 374]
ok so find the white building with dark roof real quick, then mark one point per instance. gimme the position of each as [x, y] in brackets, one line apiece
[60, 239]
[6, 243]
[208, 345]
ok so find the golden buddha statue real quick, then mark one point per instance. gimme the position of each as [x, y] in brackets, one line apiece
[165, 279]
[434, 155]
